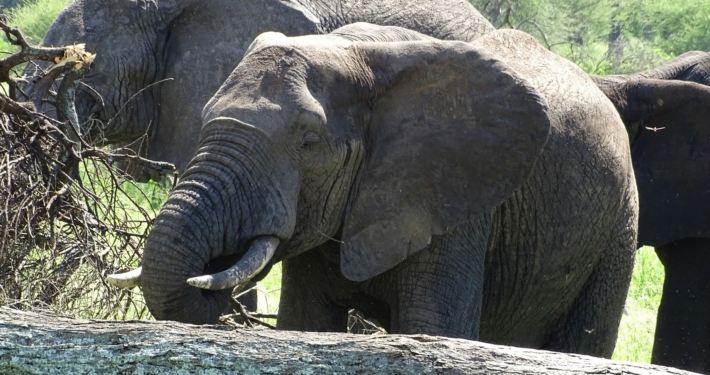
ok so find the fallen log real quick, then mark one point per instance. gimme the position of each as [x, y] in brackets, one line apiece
[32, 343]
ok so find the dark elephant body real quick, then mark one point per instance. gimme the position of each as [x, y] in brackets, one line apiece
[666, 116]
[474, 193]
[666, 112]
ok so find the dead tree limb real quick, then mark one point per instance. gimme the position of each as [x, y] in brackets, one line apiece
[33, 343]
[68, 216]
[27, 53]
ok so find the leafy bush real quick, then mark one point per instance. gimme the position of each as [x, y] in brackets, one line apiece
[673, 27]
[607, 36]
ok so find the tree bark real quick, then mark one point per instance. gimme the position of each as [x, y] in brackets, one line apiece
[32, 343]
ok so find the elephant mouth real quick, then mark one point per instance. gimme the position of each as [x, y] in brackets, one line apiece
[222, 263]
[241, 268]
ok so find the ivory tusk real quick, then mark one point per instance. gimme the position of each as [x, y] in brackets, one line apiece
[256, 258]
[126, 280]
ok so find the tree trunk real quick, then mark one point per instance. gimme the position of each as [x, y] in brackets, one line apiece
[33, 343]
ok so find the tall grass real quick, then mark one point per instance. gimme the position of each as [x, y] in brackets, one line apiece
[269, 291]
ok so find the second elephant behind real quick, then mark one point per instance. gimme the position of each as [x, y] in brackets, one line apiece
[667, 114]
[482, 191]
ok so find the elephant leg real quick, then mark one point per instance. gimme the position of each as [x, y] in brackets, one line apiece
[683, 326]
[439, 290]
[591, 324]
[311, 287]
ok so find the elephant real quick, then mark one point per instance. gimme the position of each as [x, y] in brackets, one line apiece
[195, 44]
[477, 190]
[159, 61]
[666, 114]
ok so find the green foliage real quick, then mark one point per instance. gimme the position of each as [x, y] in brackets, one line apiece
[674, 27]
[607, 36]
[638, 324]
[33, 18]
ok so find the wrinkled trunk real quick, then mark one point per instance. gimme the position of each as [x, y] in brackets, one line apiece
[176, 250]
[221, 205]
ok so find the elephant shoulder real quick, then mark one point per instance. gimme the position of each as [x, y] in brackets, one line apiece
[570, 92]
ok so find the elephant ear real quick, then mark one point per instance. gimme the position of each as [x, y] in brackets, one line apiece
[670, 132]
[455, 133]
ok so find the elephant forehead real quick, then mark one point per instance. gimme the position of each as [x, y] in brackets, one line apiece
[262, 113]
[318, 43]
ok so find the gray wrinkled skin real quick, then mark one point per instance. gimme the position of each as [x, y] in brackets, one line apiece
[196, 44]
[666, 112]
[481, 190]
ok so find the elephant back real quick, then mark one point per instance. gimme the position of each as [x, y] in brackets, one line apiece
[433, 18]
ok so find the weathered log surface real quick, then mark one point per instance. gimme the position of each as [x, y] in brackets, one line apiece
[33, 343]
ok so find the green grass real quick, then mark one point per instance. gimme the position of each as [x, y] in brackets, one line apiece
[269, 291]
[33, 19]
[638, 323]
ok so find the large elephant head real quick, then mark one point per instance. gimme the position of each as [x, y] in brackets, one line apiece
[131, 39]
[379, 144]
[668, 122]
[194, 44]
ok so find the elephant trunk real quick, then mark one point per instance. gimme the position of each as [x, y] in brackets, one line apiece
[225, 213]
[174, 253]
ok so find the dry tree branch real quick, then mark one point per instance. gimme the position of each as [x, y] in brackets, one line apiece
[539, 28]
[242, 315]
[26, 54]
[68, 216]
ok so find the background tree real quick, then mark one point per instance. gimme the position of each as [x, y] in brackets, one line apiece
[607, 36]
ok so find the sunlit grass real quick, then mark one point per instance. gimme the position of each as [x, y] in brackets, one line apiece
[638, 323]
[33, 18]
[269, 291]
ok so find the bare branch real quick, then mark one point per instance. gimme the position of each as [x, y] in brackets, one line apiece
[67, 218]
[544, 37]
[27, 52]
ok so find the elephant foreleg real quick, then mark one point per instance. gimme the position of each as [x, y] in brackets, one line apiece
[439, 290]
[311, 285]
[683, 326]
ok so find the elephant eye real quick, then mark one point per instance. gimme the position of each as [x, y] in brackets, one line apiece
[309, 141]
